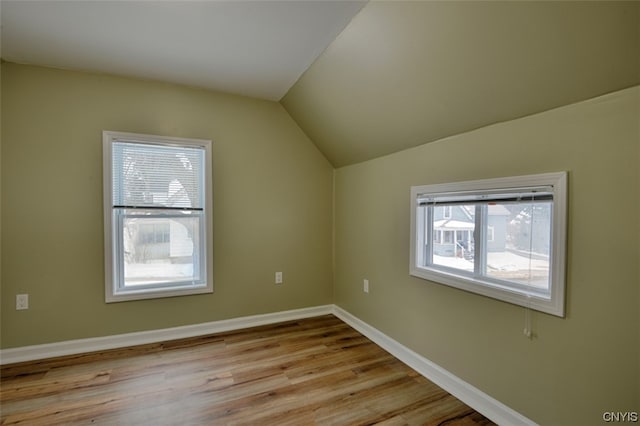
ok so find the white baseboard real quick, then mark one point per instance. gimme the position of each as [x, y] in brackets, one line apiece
[473, 397]
[74, 347]
[470, 395]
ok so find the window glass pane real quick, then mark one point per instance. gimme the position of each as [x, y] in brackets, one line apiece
[520, 249]
[161, 248]
[454, 226]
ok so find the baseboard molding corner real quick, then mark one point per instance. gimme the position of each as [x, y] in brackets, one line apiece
[80, 346]
[465, 392]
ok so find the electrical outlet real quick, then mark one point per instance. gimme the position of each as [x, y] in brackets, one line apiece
[278, 277]
[22, 302]
[366, 286]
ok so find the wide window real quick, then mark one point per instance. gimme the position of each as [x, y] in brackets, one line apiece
[157, 201]
[503, 238]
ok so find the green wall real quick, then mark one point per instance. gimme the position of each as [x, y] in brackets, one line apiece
[272, 204]
[575, 368]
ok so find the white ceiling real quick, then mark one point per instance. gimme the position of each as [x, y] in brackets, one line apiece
[252, 48]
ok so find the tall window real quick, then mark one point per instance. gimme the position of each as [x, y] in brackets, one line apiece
[158, 228]
[503, 238]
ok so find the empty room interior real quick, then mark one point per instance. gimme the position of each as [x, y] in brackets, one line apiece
[320, 212]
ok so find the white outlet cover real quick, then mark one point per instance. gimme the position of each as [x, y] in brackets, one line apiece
[22, 302]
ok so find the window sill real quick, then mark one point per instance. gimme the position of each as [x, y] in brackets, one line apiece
[533, 300]
[128, 295]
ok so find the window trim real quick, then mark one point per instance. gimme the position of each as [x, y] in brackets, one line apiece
[111, 292]
[555, 303]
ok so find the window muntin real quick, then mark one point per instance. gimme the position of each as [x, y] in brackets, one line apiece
[504, 238]
[158, 236]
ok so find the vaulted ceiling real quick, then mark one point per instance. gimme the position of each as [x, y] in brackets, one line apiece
[380, 76]
[251, 48]
[407, 73]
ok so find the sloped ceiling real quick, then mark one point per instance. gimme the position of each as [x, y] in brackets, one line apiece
[251, 48]
[406, 73]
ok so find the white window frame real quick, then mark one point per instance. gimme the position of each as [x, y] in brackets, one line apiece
[113, 262]
[553, 302]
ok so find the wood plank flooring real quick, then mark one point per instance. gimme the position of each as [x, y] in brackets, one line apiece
[316, 371]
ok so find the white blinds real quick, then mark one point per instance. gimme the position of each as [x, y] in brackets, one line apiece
[503, 195]
[157, 176]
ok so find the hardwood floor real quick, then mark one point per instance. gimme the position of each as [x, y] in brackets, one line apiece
[312, 371]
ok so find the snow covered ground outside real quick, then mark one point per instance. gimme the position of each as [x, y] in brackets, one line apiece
[505, 265]
[146, 273]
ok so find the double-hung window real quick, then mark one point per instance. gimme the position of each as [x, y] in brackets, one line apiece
[503, 238]
[158, 207]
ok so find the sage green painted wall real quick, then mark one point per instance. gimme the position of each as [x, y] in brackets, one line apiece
[575, 368]
[272, 204]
